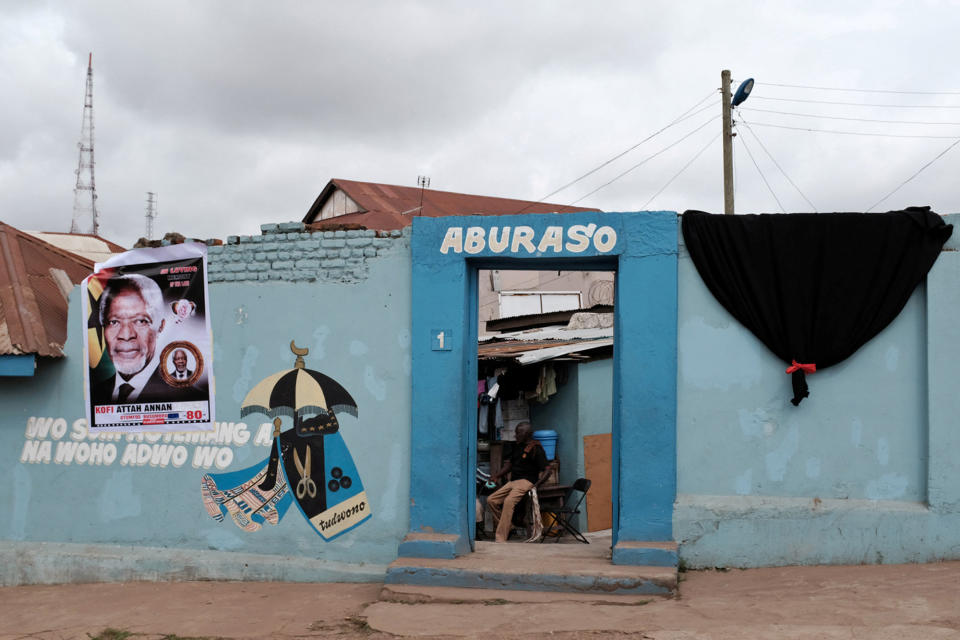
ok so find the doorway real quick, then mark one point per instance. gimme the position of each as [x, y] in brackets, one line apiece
[447, 254]
[545, 357]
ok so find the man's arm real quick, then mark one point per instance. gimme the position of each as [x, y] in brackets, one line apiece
[544, 474]
[504, 470]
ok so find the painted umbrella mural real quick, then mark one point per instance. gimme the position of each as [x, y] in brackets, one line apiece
[309, 465]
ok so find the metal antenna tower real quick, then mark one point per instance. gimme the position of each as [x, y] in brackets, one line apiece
[85, 216]
[151, 212]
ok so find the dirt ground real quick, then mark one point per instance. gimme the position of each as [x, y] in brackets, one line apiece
[869, 602]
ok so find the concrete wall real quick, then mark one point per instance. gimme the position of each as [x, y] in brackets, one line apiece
[862, 471]
[595, 287]
[346, 296]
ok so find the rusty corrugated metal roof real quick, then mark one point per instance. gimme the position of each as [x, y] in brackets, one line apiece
[85, 245]
[390, 207]
[35, 282]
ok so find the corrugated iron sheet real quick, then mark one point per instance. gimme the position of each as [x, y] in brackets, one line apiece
[385, 205]
[33, 303]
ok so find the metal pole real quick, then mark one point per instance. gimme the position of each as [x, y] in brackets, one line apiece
[727, 144]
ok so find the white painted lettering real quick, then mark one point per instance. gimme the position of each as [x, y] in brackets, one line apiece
[605, 239]
[497, 245]
[580, 236]
[44, 452]
[65, 452]
[240, 434]
[105, 454]
[224, 457]
[144, 452]
[474, 242]
[79, 430]
[180, 455]
[523, 236]
[30, 450]
[161, 455]
[264, 437]
[38, 427]
[203, 457]
[452, 240]
[552, 237]
[129, 456]
[83, 452]
[58, 429]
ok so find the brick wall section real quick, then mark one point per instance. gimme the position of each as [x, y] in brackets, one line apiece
[288, 251]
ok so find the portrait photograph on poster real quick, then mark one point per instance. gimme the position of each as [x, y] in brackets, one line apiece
[148, 342]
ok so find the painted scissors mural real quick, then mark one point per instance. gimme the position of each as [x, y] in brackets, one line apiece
[309, 465]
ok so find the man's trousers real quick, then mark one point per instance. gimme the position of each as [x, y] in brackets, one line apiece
[503, 501]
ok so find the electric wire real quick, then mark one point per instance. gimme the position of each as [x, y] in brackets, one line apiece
[777, 164]
[677, 174]
[853, 133]
[860, 104]
[752, 159]
[815, 115]
[803, 86]
[919, 171]
[689, 113]
[642, 162]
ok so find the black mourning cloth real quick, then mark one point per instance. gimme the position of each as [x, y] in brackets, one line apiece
[814, 287]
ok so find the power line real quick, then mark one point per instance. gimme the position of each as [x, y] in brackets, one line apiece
[677, 174]
[860, 104]
[777, 164]
[852, 133]
[642, 162]
[919, 171]
[815, 115]
[769, 188]
[683, 116]
[919, 93]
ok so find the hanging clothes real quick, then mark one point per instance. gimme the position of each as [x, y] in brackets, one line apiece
[814, 287]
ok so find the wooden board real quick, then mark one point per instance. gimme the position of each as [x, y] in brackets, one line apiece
[596, 461]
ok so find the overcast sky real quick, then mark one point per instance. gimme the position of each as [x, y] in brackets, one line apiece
[238, 113]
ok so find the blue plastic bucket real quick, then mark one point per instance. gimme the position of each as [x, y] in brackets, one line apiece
[548, 438]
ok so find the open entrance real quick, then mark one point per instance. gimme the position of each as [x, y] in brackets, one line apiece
[446, 257]
[545, 358]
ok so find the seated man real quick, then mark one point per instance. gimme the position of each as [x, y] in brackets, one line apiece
[528, 464]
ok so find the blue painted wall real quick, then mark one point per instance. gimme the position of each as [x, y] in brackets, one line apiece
[354, 317]
[709, 453]
[862, 471]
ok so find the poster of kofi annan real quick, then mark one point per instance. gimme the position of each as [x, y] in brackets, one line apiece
[148, 342]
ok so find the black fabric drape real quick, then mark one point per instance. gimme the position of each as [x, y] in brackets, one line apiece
[814, 287]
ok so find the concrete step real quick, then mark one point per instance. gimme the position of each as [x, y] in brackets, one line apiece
[413, 594]
[569, 568]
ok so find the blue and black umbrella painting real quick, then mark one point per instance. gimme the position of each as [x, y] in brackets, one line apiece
[309, 464]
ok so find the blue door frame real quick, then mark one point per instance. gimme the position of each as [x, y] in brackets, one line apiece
[447, 253]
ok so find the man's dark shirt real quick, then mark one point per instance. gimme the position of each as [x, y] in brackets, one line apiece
[527, 465]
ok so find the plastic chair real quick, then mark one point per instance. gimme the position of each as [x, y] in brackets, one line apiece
[563, 516]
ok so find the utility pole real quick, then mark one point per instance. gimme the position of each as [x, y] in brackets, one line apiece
[727, 143]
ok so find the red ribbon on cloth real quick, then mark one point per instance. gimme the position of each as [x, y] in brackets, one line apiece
[806, 368]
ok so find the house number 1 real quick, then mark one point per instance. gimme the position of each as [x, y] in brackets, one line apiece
[440, 339]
